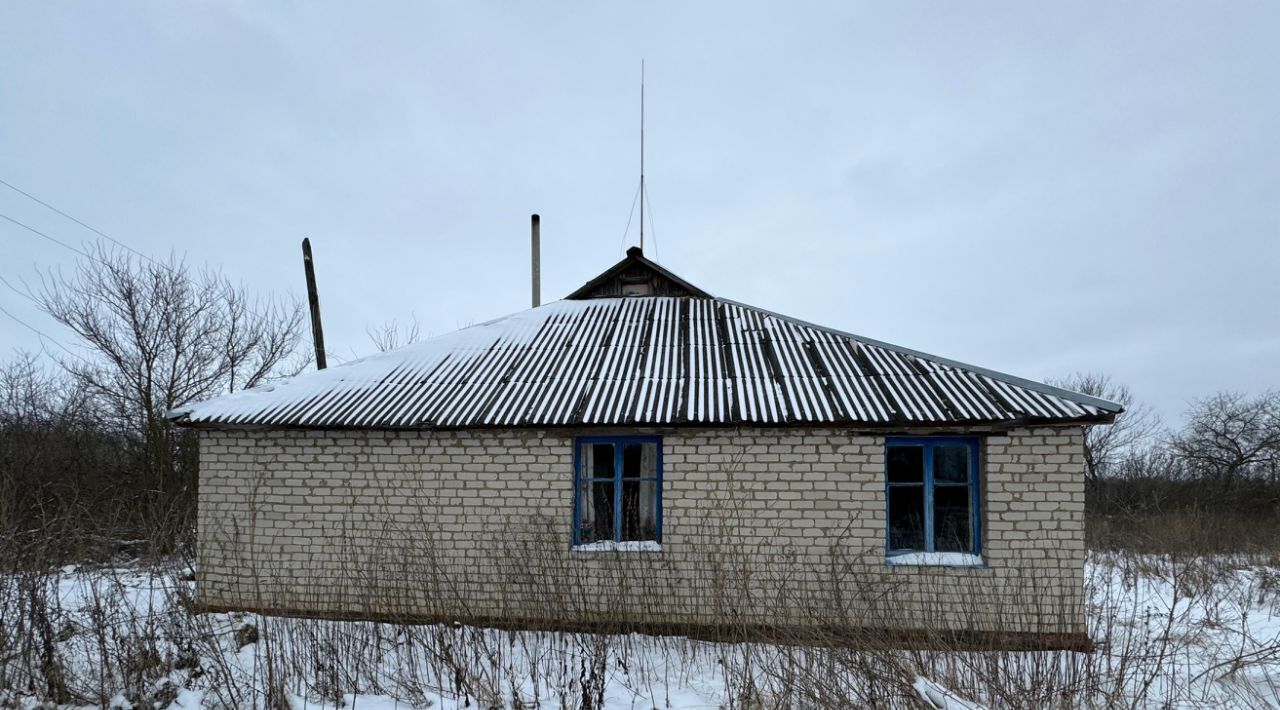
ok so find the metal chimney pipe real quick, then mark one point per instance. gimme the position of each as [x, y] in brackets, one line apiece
[537, 262]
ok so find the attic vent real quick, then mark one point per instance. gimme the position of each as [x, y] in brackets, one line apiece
[638, 285]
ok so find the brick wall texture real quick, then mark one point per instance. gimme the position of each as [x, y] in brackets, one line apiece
[760, 526]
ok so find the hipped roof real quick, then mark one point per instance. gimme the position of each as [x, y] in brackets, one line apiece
[645, 360]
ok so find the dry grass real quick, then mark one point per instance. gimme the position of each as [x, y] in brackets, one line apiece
[1196, 533]
[1172, 631]
[1178, 605]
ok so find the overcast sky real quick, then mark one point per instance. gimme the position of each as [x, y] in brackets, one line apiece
[1035, 188]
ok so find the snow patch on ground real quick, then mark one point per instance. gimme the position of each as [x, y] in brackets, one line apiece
[1218, 626]
[939, 697]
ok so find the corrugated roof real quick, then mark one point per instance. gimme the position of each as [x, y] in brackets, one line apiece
[646, 360]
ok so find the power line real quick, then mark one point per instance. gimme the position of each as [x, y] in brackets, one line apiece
[43, 337]
[86, 225]
[55, 240]
[82, 223]
[89, 227]
[91, 257]
[39, 333]
[25, 294]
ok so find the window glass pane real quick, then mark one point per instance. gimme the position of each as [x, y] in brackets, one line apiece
[640, 460]
[640, 510]
[595, 511]
[951, 519]
[597, 461]
[906, 464]
[906, 518]
[951, 463]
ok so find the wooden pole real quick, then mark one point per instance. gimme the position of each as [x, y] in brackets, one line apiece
[317, 332]
[537, 261]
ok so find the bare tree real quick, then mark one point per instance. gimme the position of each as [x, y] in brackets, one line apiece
[1106, 445]
[391, 335]
[157, 335]
[1230, 435]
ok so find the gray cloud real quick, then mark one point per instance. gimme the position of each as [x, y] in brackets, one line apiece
[1037, 189]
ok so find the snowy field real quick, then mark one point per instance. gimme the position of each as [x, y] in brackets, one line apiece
[1198, 633]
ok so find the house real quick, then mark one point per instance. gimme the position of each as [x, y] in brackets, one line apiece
[643, 455]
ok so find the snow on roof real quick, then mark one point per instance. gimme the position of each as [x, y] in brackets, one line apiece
[645, 360]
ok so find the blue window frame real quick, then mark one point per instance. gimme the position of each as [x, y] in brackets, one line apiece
[931, 495]
[617, 486]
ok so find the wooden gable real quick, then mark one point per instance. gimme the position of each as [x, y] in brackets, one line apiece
[636, 276]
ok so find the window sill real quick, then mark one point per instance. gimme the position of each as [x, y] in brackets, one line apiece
[611, 546]
[935, 559]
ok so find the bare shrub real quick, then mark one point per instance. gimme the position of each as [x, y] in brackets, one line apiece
[391, 334]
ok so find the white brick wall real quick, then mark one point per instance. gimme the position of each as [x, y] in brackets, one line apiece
[760, 526]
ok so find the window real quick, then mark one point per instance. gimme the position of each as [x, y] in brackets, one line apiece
[931, 490]
[617, 490]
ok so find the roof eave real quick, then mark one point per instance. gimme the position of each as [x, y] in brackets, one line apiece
[977, 425]
[1109, 408]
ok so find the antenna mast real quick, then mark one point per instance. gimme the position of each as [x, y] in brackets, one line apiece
[642, 155]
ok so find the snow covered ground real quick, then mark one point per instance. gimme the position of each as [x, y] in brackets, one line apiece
[1170, 634]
